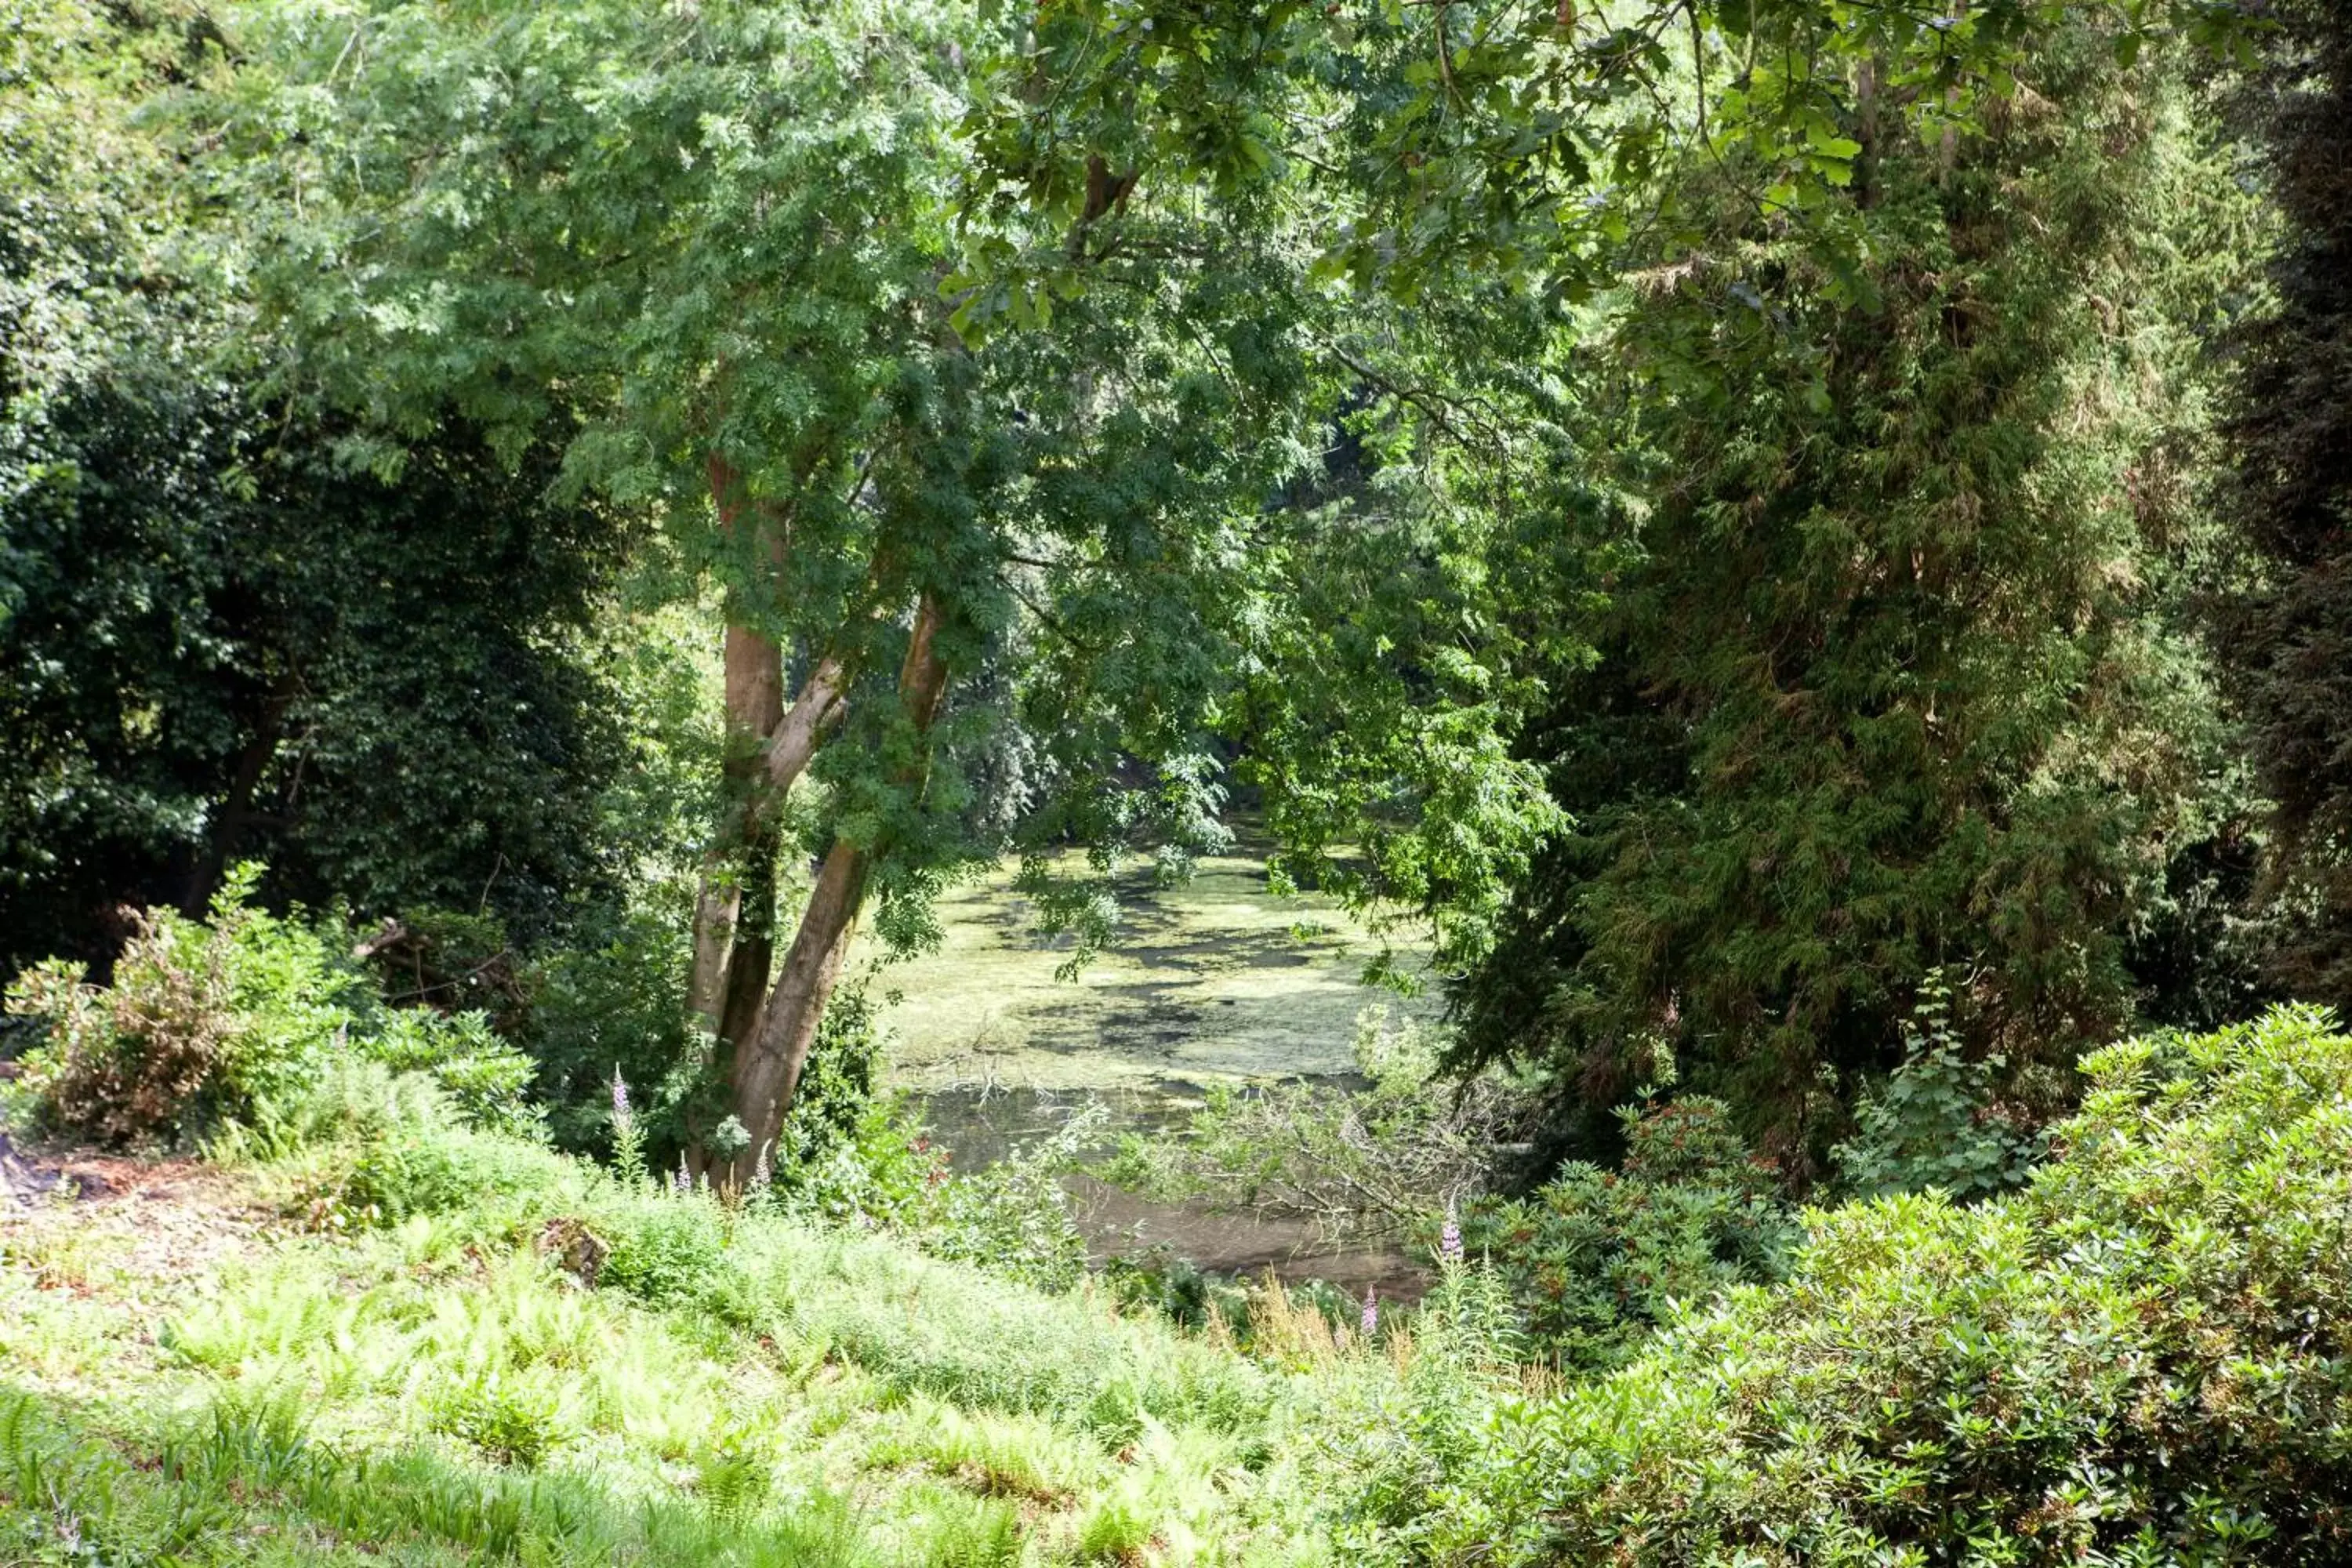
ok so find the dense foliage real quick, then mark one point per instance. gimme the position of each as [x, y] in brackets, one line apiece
[1803, 547]
[1595, 1259]
[2286, 628]
[1898, 680]
[216, 640]
[2133, 1360]
[230, 1022]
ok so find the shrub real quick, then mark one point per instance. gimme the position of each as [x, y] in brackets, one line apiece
[1363, 1163]
[1014, 1216]
[1167, 1285]
[835, 1092]
[1390, 1442]
[236, 1021]
[612, 1000]
[487, 1081]
[510, 1421]
[848, 1151]
[881, 1174]
[2138, 1358]
[1597, 1260]
[865, 1158]
[202, 1022]
[1935, 1121]
[369, 1146]
[123, 1065]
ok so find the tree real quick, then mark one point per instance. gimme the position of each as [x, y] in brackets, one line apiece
[1524, 139]
[2284, 634]
[1865, 652]
[216, 640]
[720, 243]
[1904, 681]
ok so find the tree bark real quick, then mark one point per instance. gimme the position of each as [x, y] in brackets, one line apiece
[767, 1073]
[768, 747]
[755, 706]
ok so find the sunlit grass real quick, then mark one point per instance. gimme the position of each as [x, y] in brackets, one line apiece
[423, 1394]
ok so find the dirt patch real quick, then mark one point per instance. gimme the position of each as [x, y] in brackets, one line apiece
[78, 1218]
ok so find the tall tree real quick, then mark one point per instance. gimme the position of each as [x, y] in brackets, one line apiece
[1896, 686]
[2287, 635]
[722, 240]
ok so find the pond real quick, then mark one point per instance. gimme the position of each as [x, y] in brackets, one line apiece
[1219, 980]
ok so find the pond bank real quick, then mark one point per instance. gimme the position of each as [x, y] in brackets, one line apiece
[1220, 980]
[978, 1128]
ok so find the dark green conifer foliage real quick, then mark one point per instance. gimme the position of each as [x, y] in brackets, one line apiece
[1893, 688]
[2287, 636]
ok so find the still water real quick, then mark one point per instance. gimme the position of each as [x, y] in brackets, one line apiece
[1216, 981]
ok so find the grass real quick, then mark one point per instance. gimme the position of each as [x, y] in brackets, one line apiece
[206, 1367]
[196, 1379]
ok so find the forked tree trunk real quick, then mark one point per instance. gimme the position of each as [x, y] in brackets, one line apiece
[753, 957]
[732, 866]
[768, 747]
[767, 1071]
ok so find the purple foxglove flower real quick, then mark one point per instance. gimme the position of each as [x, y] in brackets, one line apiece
[683, 1180]
[1449, 1238]
[1372, 1321]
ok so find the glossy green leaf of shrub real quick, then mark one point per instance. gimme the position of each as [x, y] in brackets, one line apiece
[2139, 1358]
[1597, 1260]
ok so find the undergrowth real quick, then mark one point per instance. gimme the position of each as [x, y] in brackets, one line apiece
[444, 1341]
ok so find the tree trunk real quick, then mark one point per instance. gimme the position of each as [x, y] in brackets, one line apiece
[768, 746]
[767, 1074]
[753, 958]
[236, 814]
[732, 880]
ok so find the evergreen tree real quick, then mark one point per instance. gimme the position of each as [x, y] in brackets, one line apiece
[1896, 687]
[2285, 636]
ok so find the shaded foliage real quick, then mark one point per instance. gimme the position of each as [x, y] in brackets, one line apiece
[1897, 680]
[1597, 1260]
[233, 1021]
[2286, 633]
[216, 638]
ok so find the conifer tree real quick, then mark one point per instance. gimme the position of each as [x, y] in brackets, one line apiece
[2286, 636]
[1896, 687]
